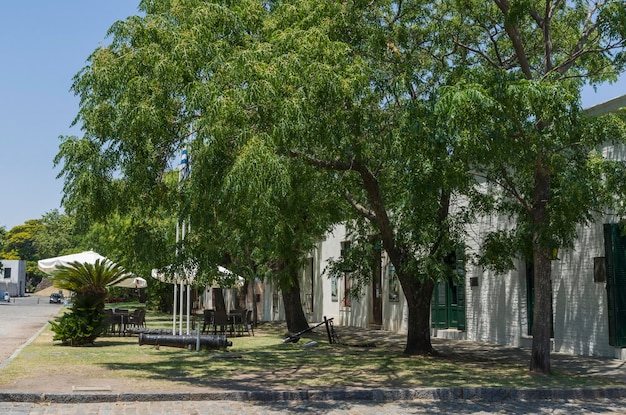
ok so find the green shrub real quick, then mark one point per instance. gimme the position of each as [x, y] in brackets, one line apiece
[86, 321]
[79, 327]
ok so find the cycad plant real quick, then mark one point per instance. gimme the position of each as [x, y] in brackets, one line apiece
[86, 319]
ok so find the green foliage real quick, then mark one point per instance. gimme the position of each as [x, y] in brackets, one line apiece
[79, 327]
[19, 242]
[57, 236]
[303, 114]
[88, 279]
[85, 321]
[515, 111]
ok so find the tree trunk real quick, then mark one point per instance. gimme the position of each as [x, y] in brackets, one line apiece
[540, 355]
[542, 318]
[296, 320]
[418, 295]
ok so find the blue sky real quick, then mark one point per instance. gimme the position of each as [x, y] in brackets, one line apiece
[43, 44]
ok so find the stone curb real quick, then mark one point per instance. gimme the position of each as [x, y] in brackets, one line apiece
[375, 395]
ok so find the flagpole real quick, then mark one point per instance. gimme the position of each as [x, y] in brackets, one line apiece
[182, 286]
[188, 292]
[175, 304]
[182, 174]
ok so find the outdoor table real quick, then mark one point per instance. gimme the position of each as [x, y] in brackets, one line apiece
[119, 320]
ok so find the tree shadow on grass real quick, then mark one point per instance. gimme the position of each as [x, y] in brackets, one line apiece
[280, 366]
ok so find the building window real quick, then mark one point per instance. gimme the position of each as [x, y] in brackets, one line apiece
[347, 280]
[7, 273]
[394, 284]
[310, 280]
[347, 287]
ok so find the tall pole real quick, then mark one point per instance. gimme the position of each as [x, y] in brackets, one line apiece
[180, 313]
[182, 290]
[188, 292]
[175, 303]
[183, 173]
[174, 307]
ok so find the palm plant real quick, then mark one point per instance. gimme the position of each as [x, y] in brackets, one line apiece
[86, 320]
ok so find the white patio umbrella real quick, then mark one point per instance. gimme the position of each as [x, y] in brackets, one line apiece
[188, 279]
[191, 276]
[133, 282]
[89, 257]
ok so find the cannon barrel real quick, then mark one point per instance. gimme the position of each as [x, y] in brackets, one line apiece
[207, 341]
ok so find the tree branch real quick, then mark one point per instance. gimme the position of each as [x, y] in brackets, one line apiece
[368, 214]
[478, 52]
[336, 164]
[506, 184]
[590, 27]
[513, 33]
[547, 39]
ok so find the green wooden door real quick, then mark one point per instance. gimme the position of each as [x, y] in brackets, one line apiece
[615, 258]
[448, 302]
[439, 307]
[448, 306]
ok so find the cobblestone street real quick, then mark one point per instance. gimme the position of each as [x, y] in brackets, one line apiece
[328, 408]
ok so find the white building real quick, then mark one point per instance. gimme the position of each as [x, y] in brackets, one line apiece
[13, 277]
[589, 291]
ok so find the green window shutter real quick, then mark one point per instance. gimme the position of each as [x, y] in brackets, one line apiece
[439, 309]
[615, 257]
[460, 289]
[461, 307]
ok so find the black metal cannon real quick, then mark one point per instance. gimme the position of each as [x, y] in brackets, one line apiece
[206, 341]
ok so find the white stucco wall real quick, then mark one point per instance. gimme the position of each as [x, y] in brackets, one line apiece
[358, 313]
[580, 304]
[16, 284]
[497, 310]
[496, 307]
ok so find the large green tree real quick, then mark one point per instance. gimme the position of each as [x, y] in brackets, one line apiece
[177, 77]
[517, 111]
[358, 85]
[19, 242]
[346, 88]
[57, 235]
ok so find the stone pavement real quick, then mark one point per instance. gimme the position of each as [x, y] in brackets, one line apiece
[463, 407]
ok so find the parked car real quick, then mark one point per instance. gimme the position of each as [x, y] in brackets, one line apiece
[5, 296]
[56, 298]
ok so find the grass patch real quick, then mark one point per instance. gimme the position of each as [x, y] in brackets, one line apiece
[265, 362]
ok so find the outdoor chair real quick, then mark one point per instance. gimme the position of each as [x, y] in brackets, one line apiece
[238, 320]
[208, 320]
[221, 320]
[248, 323]
[110, 321]
[137, 318]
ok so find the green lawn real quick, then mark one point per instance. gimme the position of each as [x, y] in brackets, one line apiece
[263, 361]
